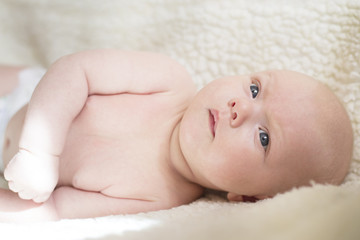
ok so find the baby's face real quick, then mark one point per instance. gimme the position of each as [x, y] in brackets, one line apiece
[253, 135]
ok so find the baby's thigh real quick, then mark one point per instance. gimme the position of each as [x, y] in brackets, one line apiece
[12, 136]
[8, 78]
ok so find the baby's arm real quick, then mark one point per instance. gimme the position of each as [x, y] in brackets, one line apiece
[61, 95]
[63, 91]
[75, 203]
[14, 209]
[69, 203]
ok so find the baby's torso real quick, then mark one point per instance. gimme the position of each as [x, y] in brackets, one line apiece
[119, 145]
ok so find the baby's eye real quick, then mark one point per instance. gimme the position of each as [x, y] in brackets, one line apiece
[254, 90]
[264, 138]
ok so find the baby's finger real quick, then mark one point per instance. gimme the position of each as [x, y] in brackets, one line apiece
[26, 195]
[8, 174]
[15, 187]
[42, 198]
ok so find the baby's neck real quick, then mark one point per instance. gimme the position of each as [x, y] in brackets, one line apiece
[177, 159]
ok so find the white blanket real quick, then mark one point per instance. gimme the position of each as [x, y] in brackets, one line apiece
[212, 39]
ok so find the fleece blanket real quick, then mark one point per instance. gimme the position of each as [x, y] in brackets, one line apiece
[211, 39]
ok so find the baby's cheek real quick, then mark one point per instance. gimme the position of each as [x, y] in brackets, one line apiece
[236, 157]
[245, 162]
[234, 164]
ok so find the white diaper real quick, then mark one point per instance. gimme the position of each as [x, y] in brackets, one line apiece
[11, 103]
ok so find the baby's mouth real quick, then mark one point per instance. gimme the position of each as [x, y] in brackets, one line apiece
[213, 119]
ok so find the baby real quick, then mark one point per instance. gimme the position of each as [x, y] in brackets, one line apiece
[119, 132]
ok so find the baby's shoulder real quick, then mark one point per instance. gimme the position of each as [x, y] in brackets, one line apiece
[174, 74]
[180, 82]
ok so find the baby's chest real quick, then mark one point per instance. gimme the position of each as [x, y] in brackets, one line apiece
[120, 142]
[123, 115]
[119, 169]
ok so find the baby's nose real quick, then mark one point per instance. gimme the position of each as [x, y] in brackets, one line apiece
[240, 110]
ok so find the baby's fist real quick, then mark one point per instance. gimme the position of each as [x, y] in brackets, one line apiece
[32, 176]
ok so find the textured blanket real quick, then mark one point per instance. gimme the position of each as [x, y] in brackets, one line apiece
[211, 39]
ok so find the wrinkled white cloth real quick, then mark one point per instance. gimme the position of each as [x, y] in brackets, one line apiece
[11, 103]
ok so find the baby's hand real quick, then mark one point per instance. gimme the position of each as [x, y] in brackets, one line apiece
[32, 176]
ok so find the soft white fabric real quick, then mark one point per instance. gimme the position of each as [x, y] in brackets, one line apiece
[211, 38]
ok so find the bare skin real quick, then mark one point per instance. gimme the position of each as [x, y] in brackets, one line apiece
[90, 172]
[9, 79]
[307, 133]
[85, 153]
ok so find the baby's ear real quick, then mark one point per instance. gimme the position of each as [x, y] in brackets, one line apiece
[233, 197]
[262, 197]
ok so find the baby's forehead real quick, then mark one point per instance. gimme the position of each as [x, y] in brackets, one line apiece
[292, 106]
[307, 113]
[289, 88]
[286, 77]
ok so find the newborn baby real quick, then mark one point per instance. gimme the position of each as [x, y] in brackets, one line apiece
[114, 132]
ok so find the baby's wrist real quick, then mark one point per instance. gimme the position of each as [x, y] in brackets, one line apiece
[38, 153]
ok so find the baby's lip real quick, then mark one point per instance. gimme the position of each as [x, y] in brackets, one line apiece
[213, 120]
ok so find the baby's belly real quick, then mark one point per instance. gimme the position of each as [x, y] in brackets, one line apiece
[127, 148]
[130, 169]
[113, 143]
[105, 159]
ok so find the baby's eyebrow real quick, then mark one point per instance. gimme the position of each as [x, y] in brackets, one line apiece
[266, 81]
[273, 126]
[275, 134]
